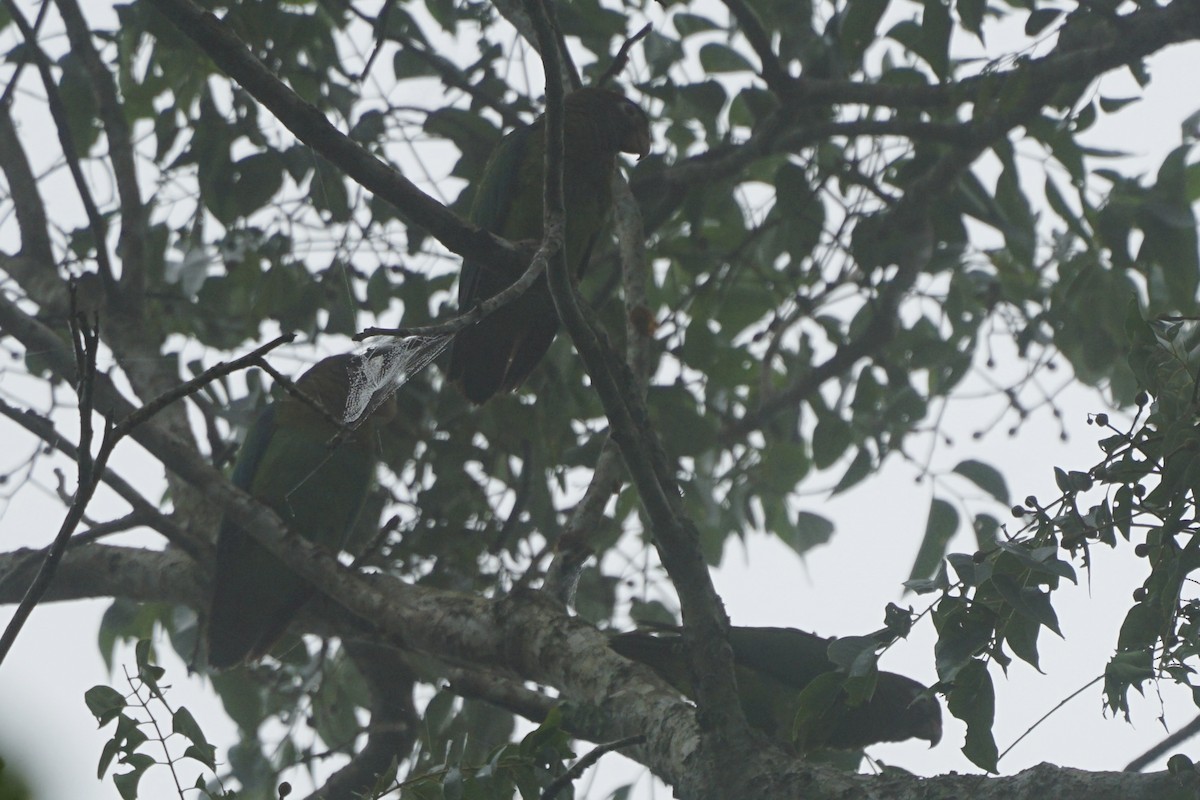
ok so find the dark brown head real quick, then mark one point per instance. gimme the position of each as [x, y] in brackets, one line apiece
[329, 382]
[622, 123]
[924, 718]
[915, 715]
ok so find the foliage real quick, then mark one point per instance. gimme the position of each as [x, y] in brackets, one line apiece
[830, 261]
[130, 736]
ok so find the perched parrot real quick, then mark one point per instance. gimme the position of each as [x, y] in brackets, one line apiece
[502, 349]
[773, 665]
[287, 463]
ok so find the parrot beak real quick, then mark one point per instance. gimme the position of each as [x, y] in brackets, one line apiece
[637, 139]
[639, 143]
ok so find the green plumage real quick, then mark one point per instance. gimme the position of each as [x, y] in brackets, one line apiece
[287, 463]
[774, 665]
[500, 351]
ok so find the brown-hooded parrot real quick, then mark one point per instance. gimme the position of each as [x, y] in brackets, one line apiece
[287, 463]
[773, 665]
[502, 349]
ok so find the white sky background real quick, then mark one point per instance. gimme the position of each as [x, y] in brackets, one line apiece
[838, 589]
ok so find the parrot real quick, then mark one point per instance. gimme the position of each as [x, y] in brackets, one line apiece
[773, 665]
[287, 462]
[498, 352]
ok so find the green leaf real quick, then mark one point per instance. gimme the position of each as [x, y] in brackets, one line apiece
[105, 703]
[858, 23]
[810, 530]
[1040, 561]
[1028, 601]
[859, 469]
[940, 527]
[971, 12]
[986, 477]
[1111, 105]
[689, 24]
[1040, 19]
[830, 439]
[964, 631]
[1021, 633]
[127, 782]
[813, 707]
[717, 58]
[1125, 670]
[183, 723]
[256, 179]
[987, 530]
[784, 464]
[855, 654]
[930, 39]
[973, 700]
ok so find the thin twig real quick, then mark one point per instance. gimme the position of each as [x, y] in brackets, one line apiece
[11, 87]
[44, 429]
[577, 769]
[311, 126]
[455, 324]
[62, 125]
[87, 340]
[1046, 716]
[622, 56]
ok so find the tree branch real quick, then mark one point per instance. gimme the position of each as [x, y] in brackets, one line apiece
[617, 698]
[773, 73]
[44, 429]
[62, 125]
[706, 624]
[131, 245]
[311, 127]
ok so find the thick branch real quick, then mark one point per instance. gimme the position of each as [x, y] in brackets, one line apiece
[705, 621]
[100, 570]
[616, 697]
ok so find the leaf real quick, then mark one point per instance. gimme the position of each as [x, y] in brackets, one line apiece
[1080, 481]
[971, 12]
[127, 782]
[105, 703]
[1028, 601]
[964, 631]
[1125, 670]
[183, 723]
[859, 468]
[1040, 561]
[1021, 633]
[784, 464]
[854, 654]
[940, 527]
[973, 700]
[814, 704]
[830, 439]
[1040, 19]
[987, 529]
[929, 39]
[986, 477]
[256, 179]
[858, 23]
[717, 58]
[689, 24]
[810, 530]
